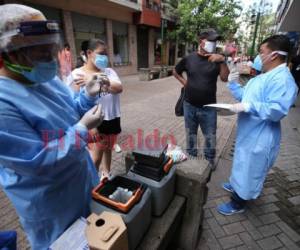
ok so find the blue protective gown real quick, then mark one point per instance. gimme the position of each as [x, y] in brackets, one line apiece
[270, 96]
[45, 168]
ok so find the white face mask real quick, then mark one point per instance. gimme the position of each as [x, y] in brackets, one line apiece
[84, 58]
[265, 59]
[210, 46]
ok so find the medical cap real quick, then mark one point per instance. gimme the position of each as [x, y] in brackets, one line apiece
[12, 18]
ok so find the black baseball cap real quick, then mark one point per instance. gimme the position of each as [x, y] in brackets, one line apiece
[209, 34]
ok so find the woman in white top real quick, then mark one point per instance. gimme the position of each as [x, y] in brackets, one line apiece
[106, 134]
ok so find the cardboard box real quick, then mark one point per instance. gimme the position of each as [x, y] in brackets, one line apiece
[106, 231]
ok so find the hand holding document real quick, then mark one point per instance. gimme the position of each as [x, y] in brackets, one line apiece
[223, 109]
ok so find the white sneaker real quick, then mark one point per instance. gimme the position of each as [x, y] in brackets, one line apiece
[117, 148]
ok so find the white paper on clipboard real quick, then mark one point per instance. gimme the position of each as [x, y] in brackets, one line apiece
[222, 108]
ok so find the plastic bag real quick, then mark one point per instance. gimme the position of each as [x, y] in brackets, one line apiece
[176, 153]
[121, 195]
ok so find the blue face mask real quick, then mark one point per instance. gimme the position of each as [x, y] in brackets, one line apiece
[101, 62]
[41, 72]
[257, 64]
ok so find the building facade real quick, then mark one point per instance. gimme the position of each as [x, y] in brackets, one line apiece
[287, 20]
[131, 29]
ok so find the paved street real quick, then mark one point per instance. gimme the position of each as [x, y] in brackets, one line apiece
[272, 224]
[149, 106]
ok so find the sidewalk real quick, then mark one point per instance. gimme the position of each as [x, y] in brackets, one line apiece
[149, 106]
[273, 220]
[145, 106]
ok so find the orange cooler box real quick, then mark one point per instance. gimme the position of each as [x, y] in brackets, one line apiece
[135, 211]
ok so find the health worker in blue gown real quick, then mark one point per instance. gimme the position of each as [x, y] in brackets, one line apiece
[45, 168]
[263, 103]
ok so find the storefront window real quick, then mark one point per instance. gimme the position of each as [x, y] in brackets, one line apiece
[120, 43]
[157, 52]
[87, 27]
[157, 48]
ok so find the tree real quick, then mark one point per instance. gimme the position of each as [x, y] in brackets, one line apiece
[265, 25]
[195, 15]
[246, 29]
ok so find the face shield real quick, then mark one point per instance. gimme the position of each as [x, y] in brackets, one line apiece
[36, 45]
[37, 40]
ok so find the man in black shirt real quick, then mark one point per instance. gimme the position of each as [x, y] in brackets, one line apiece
[202, 68]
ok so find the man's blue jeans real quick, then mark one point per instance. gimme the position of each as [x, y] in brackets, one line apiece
[207, 119]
